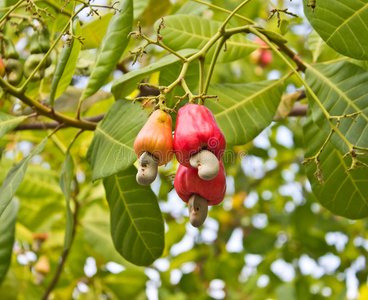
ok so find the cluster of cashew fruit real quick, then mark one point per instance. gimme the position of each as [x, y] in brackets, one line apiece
[13, 68]
[199, 146]
[39, 45]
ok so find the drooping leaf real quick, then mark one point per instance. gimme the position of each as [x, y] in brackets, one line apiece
[66, 66]
[15, 177]
[342, 89]
[344, 194]
[96, 228]
[344, 28]
[8, 123]
[111, 149]
[7, 230]
[137, 227]
[66, 178]
[127, 284]
[129, 81]
[244, 110]
[111, 48]
[189, 31]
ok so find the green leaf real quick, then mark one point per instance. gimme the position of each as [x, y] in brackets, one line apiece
[111, 149]
[189, 31]
[344, 194]
[8, 123]
[341, 88]
[244, 110]
[94, 31]
[66, 65]
[95, 231]
[66, 178]
[344, 28]
[137, 227]
[139, 7]
[127, 83]
[111, 48]
[127, 284]
[15, 177]
[7, 230]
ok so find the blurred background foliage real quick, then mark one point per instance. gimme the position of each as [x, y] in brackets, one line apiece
[269, 239]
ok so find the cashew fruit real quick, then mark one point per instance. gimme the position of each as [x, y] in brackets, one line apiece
[262, 57]
[14, 71]
[31, 63]
[155, 138]
[187, 182]
[2, 68]
[196, 129]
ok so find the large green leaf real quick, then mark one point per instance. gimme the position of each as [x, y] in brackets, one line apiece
[7, 229]
[137, 227]
[342, 89]
[345, 194]
[244, 110]
[129, 81]
[95, 231]
[8, 123]
[66, 178]
[15, 177]
[189, 31]
[127, 284]
[111, 149]
[342, 24]
[111, 48]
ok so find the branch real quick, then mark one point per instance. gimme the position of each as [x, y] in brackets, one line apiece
[52, 125]
[44, 110]
[63, 257]
[299, 111]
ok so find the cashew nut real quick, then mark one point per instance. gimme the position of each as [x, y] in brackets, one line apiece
[198, 209]
[207, 164]
[147, 171]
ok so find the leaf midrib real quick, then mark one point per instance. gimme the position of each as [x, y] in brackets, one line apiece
[339, 91]
[249, 98]
[112, 139]
[346, 21]
[130, 216]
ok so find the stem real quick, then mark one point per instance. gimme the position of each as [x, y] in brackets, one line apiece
[213, 63]
[225, 10]
[64, 255]
[325, 112]
[222, 28]
[14, 7]
[158, 43]
[201, 74]
[44, 110]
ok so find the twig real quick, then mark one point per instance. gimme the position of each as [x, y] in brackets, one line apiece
[63, 257]
[52, 125]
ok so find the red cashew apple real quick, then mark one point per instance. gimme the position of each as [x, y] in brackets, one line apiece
[187, 182]
[2, 68]
[262, 57]
[153, 146]
[199, 193]
[196, 129]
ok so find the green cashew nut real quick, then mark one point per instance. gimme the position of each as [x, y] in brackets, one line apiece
[14, 71]
[31, 64]
[44, 39]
